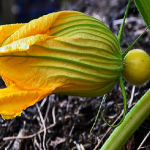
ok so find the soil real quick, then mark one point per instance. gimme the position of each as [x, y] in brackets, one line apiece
[68, 119]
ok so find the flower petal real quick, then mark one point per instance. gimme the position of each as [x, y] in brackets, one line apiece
[13, 100]
[24, 44]
[7, 82]
[62, 64]
[37, 26]
[7, 30]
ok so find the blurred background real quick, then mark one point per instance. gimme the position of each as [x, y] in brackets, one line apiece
[12, 11]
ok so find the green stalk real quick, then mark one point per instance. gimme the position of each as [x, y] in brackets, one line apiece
[131, 123]
[123, 23]
[103, 99]
[144, 9]
[126, 51]
[125, 105]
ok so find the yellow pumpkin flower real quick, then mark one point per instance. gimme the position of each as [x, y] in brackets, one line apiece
[66, 52]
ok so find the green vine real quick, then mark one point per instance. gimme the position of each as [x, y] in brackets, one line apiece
[125, 105]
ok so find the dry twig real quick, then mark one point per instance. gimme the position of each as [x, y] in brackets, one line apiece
[28, 136]
[48, 107]
[42, 120]
[53, 115]
[79, 146]
[17, 142]
[132, 96]
[140, 146]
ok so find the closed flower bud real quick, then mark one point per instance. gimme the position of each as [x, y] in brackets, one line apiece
[63, 53]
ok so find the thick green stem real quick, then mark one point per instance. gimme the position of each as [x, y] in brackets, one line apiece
[132, 121]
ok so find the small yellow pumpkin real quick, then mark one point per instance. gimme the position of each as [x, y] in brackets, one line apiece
[137, 67]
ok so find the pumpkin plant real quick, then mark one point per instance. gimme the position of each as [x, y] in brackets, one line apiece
[67, 52]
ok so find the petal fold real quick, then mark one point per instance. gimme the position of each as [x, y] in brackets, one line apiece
[24, 44]
[14, 100]
[7, 30]
[37, 26]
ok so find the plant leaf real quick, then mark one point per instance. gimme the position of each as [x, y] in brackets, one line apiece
[144, 9]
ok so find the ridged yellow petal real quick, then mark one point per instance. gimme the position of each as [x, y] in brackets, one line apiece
[7, 82]
[13, 100]
[7, 30]
[23, 44]
[69, 65]
[37, 26]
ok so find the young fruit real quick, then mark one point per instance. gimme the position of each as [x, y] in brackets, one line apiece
[137, 67]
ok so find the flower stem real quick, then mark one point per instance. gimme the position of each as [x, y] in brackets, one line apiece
[125, 105]
[126, 51]
[103, 99]
[122, 25]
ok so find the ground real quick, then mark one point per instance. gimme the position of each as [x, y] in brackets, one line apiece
[64, 122]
